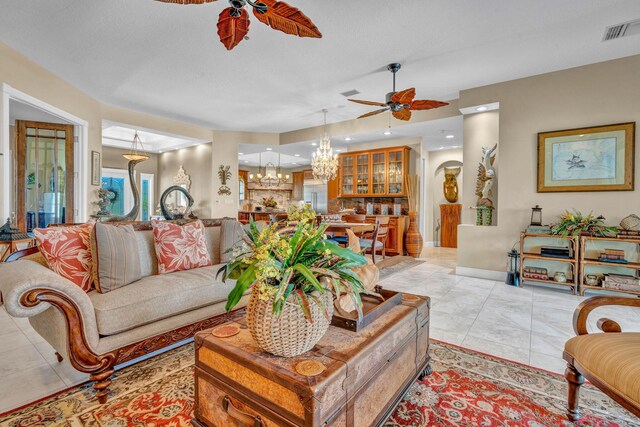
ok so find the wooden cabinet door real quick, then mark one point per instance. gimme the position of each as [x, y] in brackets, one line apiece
[347, 169]
[392, 237]
[363, 173]
[379, 173]
[298, 185]
[396, 172]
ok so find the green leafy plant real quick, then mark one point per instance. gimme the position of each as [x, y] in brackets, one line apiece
[575, 223]
[294, 261]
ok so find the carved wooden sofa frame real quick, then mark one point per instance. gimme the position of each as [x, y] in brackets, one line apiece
[576, 374]
[100, 367]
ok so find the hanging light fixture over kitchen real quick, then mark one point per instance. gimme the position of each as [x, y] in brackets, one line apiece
[135, 153]
[324, 163]
[269, 175]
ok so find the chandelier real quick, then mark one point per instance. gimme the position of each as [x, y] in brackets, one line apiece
[324, 162]
[270, 175]
[136, 154]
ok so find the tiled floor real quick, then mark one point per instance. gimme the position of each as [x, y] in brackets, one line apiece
[528, 325]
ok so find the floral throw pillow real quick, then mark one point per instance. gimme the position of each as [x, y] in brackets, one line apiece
[67, 251]
[180, 247]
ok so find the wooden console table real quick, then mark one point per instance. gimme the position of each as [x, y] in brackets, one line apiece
[363, 379]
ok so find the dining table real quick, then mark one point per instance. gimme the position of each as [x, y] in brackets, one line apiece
[342, 227]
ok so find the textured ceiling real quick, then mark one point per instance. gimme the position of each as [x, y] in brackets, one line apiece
[166, 59]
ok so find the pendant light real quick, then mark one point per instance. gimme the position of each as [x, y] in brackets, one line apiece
[136, 154]
[324, 163]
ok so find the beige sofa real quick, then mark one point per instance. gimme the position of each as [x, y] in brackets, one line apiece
[97, 331]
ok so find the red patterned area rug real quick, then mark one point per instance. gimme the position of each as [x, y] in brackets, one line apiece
[466, 389]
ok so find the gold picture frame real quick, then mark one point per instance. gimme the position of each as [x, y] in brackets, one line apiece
[598, 158]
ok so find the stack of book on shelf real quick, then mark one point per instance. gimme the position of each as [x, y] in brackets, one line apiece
[613, 255]
[535, 273]
[621, 282]
[629, 234]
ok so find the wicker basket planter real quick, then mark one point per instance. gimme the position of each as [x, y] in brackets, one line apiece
[290, 334]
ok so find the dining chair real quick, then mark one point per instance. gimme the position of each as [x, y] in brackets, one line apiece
[355, 218]
[378, 240]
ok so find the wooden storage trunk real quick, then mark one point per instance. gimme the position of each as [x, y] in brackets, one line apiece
[366, 374]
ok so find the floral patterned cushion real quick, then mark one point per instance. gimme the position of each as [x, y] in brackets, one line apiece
[179, 247]
[67, 252]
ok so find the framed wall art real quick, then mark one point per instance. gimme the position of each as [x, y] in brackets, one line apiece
[96, 169]
[599, 158]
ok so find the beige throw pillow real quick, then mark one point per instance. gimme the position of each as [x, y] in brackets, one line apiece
[116, 261]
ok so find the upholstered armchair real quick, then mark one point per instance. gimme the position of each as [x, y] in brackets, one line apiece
[610, 361]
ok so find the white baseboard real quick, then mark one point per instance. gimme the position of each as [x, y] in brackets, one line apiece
[481, 274]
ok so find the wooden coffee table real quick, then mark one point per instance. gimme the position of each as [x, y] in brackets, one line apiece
[359, 378]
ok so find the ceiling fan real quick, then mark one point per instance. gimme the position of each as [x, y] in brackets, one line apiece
[233, 22]
[400, 103]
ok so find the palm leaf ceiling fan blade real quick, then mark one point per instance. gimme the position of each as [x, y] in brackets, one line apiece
[426, 104]
[402, 114]
[373, 113]
[377, 104]
[187, 1]
[283, 17]
[404, 97]
[231, 28]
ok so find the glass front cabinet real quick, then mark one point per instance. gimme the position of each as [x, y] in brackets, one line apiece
[374, 173]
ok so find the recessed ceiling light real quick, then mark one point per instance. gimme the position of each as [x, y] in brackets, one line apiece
[387, 132]
[240, 154]
[580, 136]
[441, 148]
[314, 144]
[339, 151]
[450, 136]
[269, 149]
[348, 138]
[294, 163]
[297, 155]
[483, 108]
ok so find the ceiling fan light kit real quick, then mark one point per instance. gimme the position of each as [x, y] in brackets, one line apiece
[233, 22]
[400, 103]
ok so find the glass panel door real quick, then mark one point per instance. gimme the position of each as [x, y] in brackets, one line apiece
[346, 172]
[362, 164]
[117, 181]
[45, 174]
[395, 172]
[378, 172]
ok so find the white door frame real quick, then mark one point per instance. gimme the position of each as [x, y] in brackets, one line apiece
[81, 154]
[128, 194]
[152, 189]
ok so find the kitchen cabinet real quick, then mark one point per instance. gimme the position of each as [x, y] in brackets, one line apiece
[298, 186]
[374, 173]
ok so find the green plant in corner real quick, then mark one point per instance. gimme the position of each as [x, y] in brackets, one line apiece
[575, 223]
[303, 264]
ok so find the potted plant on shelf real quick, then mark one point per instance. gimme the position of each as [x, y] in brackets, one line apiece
[576, 224]
[293, 279]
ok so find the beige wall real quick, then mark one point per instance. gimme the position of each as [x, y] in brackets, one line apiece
[197, 163]
[596, 94]
[437, 161]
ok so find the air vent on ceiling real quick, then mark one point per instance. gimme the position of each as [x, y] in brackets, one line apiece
[350, 93]
[621, 30]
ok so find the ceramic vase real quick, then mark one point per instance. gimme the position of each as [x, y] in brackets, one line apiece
[413, 242]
